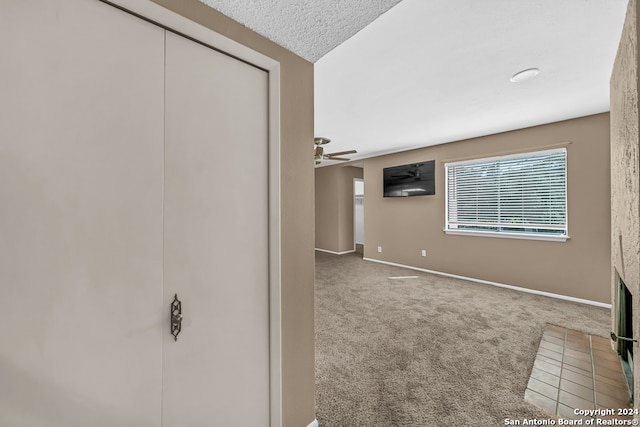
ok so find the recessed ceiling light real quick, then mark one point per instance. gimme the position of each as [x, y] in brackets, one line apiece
[523, 75]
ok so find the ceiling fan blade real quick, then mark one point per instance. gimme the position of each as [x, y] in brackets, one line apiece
[337, 158]
[340, 153]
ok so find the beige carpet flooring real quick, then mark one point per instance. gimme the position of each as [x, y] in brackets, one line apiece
[429, 351]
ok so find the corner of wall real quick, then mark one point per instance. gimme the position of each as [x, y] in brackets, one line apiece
[625, 176]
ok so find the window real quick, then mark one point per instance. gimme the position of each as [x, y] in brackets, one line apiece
[521, 196]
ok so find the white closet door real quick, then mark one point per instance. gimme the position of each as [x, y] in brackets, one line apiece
[216, 239]
[81, 129]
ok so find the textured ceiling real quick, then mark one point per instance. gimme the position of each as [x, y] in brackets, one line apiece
[309, 28]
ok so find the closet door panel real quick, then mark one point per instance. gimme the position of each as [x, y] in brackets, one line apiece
[81, 158]
[216, 239]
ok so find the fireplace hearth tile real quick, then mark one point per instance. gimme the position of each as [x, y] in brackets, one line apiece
[584, 370]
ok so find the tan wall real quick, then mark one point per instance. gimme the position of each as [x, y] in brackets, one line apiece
[625, 175]
[578, 268]
[334, 207]
[327, 209]
[297, 208]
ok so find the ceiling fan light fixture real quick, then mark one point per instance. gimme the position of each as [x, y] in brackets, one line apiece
[523, 75]
[319, 155]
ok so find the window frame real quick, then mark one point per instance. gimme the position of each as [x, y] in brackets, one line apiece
[508, 234]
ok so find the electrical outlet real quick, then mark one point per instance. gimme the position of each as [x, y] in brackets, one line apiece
[424, 252]
[379, 248]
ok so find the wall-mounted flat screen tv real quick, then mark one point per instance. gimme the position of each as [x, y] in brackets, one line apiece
[415, 179]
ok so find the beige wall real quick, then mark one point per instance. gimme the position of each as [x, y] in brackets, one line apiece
[334, 207]
[297, 201]
[578, 268]
[625, 176]
[327, 215]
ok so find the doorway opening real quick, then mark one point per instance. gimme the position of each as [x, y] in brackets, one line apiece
[358, 215]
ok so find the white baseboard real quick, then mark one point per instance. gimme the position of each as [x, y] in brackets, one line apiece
[314, 423]
[500, 285]
[335, 253]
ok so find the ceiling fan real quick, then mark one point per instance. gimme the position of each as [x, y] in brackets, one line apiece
[319, 154]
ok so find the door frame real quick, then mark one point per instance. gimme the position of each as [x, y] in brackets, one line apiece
[153, 12]
[355, 196]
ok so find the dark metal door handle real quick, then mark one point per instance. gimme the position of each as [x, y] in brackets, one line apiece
[176, 317]
[615, 338]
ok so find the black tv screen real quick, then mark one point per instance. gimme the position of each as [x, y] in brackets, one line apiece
[415, 179]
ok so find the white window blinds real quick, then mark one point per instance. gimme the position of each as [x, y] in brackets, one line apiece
[524, 193]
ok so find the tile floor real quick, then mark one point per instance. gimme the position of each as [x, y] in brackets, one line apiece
[576, 370]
